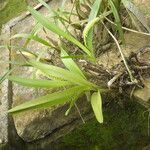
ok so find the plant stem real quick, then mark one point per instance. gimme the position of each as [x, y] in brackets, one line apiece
[122, 55]
[79, 113]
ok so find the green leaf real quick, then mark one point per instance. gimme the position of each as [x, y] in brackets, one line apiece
[49, 100]
[89, 27]
[47, 6]
[96, 103]
[75, 56]
[70, 64]
[73, 100]
[60, 74]
[117, 19]
[34, 31]
[52, 27]
[38, 83]
[6, 74]
[63, 4]
[33, 37]
[94, 10]
[93, 14]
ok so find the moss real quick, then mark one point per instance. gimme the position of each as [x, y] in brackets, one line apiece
[124, 128]
[13, 8]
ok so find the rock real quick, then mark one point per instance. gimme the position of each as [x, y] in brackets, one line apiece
[144, 7]
[143, 95]
[35, 125]
[146, 147]
[4, 103]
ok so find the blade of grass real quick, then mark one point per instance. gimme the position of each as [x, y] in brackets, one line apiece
[74, 56]
[36, 83]
[33, 37]
[117, 19]
[73, 100]
[89, 37]
[70, 64]
[60, 73]
[96, 102]
[47, 6]
[6, 75]
[51, 26]
[49, 100]
[89, 27]
[34, 31]
[94, 10]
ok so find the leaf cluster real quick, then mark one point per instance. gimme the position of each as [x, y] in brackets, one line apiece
[71, 80]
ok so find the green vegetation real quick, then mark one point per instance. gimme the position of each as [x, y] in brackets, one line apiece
[124, 129]
[13, 8]
[122, 126]
[71, 80]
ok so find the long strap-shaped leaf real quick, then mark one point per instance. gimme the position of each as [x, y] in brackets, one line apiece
[5, 75]
[93, 14]
[87, 30]
[117, 19]
[47, 6]
[34, 31]
[96, 103]
[33, 37]
[51, 26]
[36, 83]
[49, 100]
[72, 102]
[94, 10]
[60, 73]
[70, 64]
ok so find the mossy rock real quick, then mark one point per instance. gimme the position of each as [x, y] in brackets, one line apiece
[124, 128]
[10, 9]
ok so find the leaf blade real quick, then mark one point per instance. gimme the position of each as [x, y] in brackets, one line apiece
[96, 103]
[94, 11]
[60, 73]
[48, 100]
[51, 26]
[33, 37]
[36, 83]
[70, 64]
[89, 27]
[117, 19]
